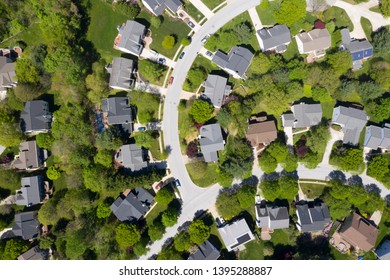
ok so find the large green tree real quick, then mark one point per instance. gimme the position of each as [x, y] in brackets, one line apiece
[182, 241]
[164, 196]
[13, 248]
[201, 111]
[199, 232]
[291, 11]
[150, 70]
[127, 235]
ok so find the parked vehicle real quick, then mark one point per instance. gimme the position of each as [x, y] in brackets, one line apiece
[191, 24]
[161, 60]
[170, 80]
[142, 128]
[203, 41]
[208, 53]
[181, 55]
[177, 183]
[222, 220]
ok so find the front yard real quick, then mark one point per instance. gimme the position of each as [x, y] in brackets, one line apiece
[201, 173]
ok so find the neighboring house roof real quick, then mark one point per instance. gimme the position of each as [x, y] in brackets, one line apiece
[359, 49]
[158, 6]
[215, 89]
[271, 216]
[35, 117]
[26, 225]
[261, 132]
[133, 206]
[383, 251]
[30, 156]
[235, 234]
[130, 37]
[359, 232]
[312, 216]
[304, 115]
[276, 37]
[206, 251]
[314, 40]
[352, 122]
[7, 72]
[237, 61]
[211, 141]
[132, 156]
[121, 72]
[35, 254]
[118, 110]
[377, 137]
[32, 191]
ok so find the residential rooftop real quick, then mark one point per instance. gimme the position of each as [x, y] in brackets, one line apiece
[312, 216]
[303, 115]
[274, 38]
[216, 89]
[35, 117]
[236, 62]
[121, 73]
[211, 141]
[236, 234]
[132, 156]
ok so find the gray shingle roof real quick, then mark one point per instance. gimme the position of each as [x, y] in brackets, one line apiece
[132, 156]
[352, 122]
[118, 110]
[304, 115]
[121, 72]
[130, 37]
[314, 40]
[35, 253]
[211, 141]
[133, 206]
[35, 116]
[26, 225]
[237, 61]
[158, 6]
[7, 72]
[30, 156]
[32, 191]
[377, 137]
[271, 216]
[383, 251]
[274, 37]
[206, 251]
[312, 216]
[235, 234]
[215, 89]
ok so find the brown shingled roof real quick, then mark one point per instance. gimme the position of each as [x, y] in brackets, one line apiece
[261, 132]
[359, 232]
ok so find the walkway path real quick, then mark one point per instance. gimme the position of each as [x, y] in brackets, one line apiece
[256, 22]
[202, 8]
[334, 136]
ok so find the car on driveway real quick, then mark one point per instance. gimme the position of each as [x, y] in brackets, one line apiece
[177, 183]
[191, 24]
[203, 41]
[181, 55]
[142, 128]
[162, 60]
[170, 80]
[208, 53]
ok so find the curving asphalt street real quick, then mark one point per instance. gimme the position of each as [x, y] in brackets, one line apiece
[196, 199]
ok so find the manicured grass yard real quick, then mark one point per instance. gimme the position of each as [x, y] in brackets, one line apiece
[367, 27]
[104, 20]
[312, 190]
[375, 9]
[154, 213]
[193, 11]
[327, 109]
[267, 14]
[205, 178]
[292, 51]
[211, 4]
[254, 251]
[31, 36]
[187, 131]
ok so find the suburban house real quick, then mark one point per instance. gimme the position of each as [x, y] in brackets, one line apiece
[303, 116]
[130, 38]
[32, 191]
[206, 251]
[352, 122]
[236, 62]
[314, 43]
[269, 216]
[356, 232]
[216, 89]
[30, 156]
[235, 235]
[121, 73]
[132, 205]
[132, 156]
[360, 49]
[157, 7]
[117, 111]
[34, 254]
[274, 39]
[7, 73]
[377, 138]
[261, 132]
[211, 141]
[26, 226]
[383, 251]
[36, 117]
[312, 216]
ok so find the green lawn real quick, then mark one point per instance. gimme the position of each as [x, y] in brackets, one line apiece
[312, 190]
[376, 9]
[207, 177]
[104, 20]
[211, 4]
[154, 213]
[254, 251]
[340, 16]
[266, 14]
[155, 150]
[327, 109]
[367, 27]
[283, 237]
[31, 36]
[187, 131]
[193, 11]
[292, 51]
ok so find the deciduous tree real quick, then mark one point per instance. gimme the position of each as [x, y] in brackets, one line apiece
[199, 232]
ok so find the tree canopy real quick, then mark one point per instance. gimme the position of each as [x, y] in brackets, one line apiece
[291, 11]
[127, 235]
[201, 111]
[199, 232]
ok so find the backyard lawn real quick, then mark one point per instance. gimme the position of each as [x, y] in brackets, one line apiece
[312, 190]
[155, 212]
[32, 36]
[253, 251]
[104, 21]
[211, 4]
[204, 177]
